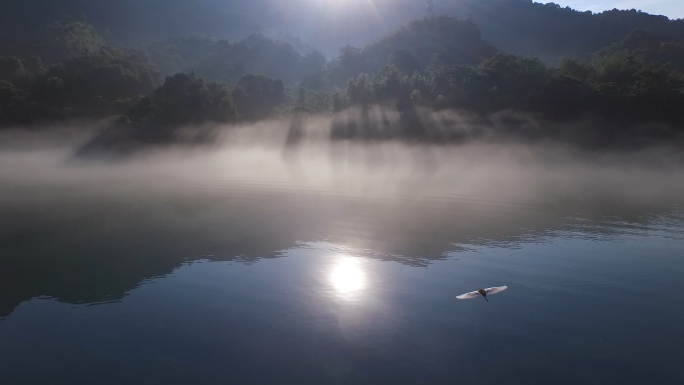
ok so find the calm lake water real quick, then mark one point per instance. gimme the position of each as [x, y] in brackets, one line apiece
[254, 263]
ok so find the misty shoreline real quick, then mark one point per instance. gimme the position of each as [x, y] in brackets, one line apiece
[249, 194]
[370, 124]
[299, 135]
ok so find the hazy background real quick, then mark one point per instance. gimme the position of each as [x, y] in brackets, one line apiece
[90, 230]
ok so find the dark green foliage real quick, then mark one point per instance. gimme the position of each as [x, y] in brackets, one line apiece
[551, 32]
[350, 63]
[55, 43]
[645, 47]
[301, 98]
[522, 27]
[615, 87]
[622, 66]
[315, 61]
[386, 84]
[317, 81]
[404, 61]
[340, 100]
[227, 62]
[178, 54]
[574, 69]
[12, 104]
[413, 46]
[64, 40]
[129, 22]
[511, 79]
[318, 102]
[315, 72]
[17, 72]
[257, 96]
[34, 64]
[89, 85]
[184, 99]
[456, 41]
[631, 90]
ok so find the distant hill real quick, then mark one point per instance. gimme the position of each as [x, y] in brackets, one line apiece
[127, 22]
[522, 27]
[411, 48]
[138, 60]
[551, 32]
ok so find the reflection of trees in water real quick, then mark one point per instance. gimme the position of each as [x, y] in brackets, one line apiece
[98, 251]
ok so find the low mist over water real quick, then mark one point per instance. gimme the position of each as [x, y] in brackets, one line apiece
[253, 193]
[297, 226]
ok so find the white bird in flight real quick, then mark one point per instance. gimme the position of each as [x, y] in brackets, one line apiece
[482, 292]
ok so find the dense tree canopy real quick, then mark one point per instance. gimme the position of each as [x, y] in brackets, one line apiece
[256, 96]
[184, 99]
[622, 66]
[55, 42]
[413, 46]
[92, 84]
[552, 32]
[522, 27]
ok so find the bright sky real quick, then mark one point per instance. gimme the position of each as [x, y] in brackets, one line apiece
[674, 9]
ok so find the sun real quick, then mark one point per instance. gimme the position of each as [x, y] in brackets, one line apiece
[347, 277]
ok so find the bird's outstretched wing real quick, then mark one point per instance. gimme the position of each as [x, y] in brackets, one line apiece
[471, 295]
[494, 290]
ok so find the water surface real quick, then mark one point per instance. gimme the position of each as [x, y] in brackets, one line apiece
[338, 263]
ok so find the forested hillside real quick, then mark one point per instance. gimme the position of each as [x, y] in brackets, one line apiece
[624, 67]
[523, 27]
[551, 32]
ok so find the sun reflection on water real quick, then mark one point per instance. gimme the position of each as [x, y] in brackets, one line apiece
[347, 276]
